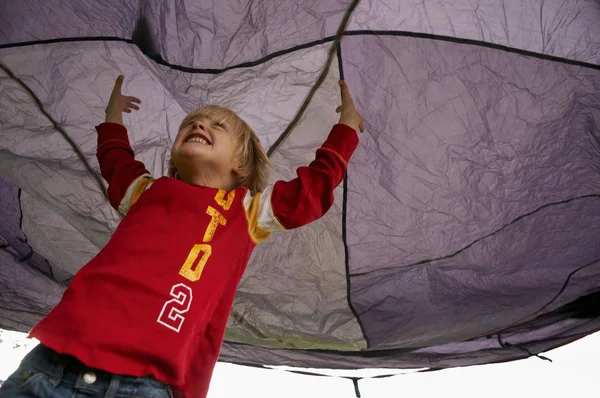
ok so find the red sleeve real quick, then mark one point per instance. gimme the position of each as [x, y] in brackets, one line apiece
[309, 196]
[117, 161]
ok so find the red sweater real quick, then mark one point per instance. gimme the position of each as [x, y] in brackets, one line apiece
[155, 300]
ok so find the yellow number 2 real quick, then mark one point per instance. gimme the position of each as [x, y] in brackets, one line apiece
[188, 270]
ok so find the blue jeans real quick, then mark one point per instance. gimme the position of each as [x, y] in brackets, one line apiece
[43, 373]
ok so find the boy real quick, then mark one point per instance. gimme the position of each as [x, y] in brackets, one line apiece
[146, 317]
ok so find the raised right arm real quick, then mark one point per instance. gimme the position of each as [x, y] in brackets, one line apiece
[127, 178]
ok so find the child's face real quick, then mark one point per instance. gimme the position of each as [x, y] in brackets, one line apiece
[203, 145]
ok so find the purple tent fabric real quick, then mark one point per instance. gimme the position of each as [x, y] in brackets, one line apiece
[466, 232]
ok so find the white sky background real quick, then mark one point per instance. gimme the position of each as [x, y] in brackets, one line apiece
[573, 374]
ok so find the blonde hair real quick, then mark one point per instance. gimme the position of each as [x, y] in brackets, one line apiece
[252, 163]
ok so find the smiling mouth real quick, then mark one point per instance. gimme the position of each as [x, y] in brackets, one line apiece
[198, 138]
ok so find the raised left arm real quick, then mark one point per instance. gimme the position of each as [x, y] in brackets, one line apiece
[306, 198]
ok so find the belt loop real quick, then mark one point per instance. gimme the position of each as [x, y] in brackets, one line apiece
[57, 374]
[113, 387]
[49, 362]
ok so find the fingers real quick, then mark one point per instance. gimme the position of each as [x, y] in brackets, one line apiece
[132, 104]
[119, 84]
[346, 98]
[344, 87]
[132, 101]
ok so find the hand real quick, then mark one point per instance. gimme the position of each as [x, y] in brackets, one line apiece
[120, 103]
[349, 115]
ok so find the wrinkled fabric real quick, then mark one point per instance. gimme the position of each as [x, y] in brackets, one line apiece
[465, 233]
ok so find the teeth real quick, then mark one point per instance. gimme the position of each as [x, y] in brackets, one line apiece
[198, 139]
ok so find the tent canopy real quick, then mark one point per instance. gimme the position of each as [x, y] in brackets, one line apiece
[466, 232]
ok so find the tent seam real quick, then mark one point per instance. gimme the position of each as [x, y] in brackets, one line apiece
[56, 126]
[344, 230]
[320, 79]
[366, 32]
[457, 252]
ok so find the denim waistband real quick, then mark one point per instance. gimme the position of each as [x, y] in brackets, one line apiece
[62, 368]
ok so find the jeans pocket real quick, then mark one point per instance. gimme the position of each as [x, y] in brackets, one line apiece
[20, 380]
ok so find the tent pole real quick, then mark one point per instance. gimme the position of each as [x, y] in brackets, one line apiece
[356, 389]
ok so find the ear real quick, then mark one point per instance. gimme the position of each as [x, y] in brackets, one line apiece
[235, 171]
[236, 160]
